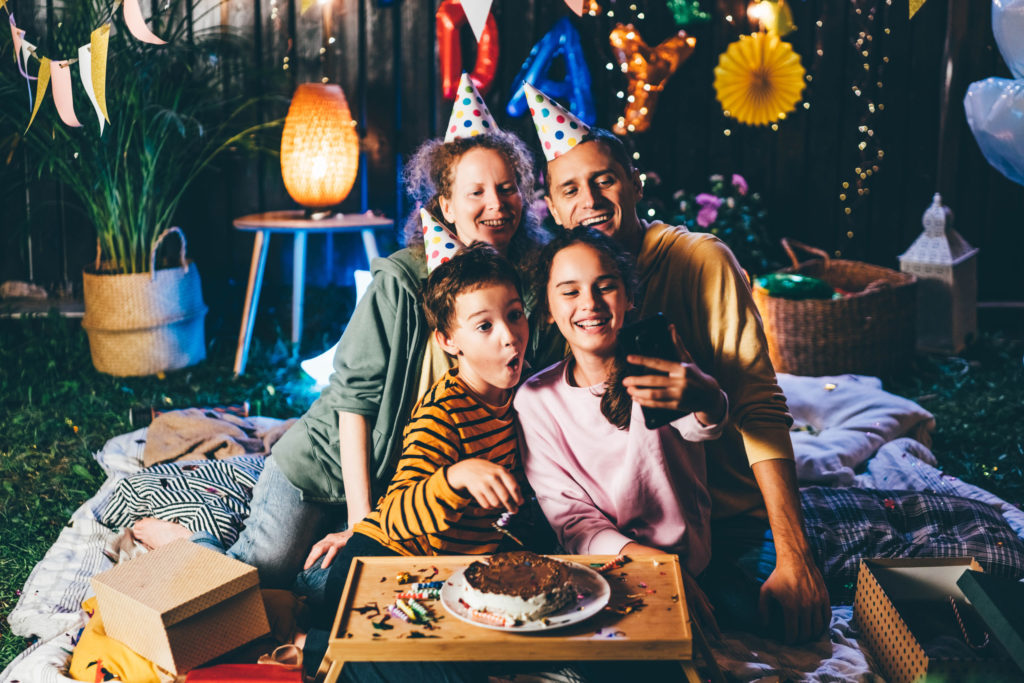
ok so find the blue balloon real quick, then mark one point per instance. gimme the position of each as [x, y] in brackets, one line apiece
[564, 40]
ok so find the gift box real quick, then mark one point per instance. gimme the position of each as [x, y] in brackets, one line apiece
[918, 623]
[181, 605]
[1000, 602]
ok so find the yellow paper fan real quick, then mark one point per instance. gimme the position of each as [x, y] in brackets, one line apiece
[759, 79]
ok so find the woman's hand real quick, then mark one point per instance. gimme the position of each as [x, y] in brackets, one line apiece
[328, 547]
[490, 485]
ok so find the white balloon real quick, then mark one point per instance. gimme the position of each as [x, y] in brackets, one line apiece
[995, 113]
[1008, 28]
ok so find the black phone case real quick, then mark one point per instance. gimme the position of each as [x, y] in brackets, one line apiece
[650, 337]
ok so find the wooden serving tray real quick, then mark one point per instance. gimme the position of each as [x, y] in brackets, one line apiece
[657, 626]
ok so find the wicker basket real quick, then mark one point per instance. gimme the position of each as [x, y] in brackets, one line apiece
[869, 332]
[145, 323]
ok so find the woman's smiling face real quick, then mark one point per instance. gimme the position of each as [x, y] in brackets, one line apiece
[485, 202]
[587, 300]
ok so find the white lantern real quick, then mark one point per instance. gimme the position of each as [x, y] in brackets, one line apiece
[946, 267]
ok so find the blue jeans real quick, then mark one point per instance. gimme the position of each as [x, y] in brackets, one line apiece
[280, 529]
[742, 559]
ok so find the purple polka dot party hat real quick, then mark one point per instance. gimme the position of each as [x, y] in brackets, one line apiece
[470, 115]
[438, 241]
[559, 130]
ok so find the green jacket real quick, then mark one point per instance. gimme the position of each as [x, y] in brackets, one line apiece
[376, 374]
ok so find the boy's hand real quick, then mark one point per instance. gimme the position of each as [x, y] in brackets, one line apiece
[328, 547]
[490, 485]
[685, 388]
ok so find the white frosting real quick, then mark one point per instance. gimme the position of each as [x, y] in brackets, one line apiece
[523, 609]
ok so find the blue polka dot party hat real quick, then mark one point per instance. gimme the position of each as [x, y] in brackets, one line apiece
[470, 115]
[438, 241]
[559, 130]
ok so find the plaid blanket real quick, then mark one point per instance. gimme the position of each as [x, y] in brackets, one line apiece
[844, 525]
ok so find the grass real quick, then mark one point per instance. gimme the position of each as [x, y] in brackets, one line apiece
[56, 411]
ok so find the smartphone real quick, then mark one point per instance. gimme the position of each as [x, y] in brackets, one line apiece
[650, 337]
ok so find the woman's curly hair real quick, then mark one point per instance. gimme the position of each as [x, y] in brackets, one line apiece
[429, 176]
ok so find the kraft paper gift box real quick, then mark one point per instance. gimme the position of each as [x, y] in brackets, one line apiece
[904, 610]
[181, 605]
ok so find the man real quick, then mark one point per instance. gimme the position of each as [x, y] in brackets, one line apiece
[696, 282]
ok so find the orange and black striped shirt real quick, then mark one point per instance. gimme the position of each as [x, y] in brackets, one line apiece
[421, 514]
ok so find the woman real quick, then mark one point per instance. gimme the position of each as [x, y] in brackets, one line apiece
[607, 484]
[344, 448]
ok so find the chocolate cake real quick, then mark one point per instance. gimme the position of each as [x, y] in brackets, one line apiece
[520, 584]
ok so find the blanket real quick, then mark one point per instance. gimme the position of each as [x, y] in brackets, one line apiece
[850, 433]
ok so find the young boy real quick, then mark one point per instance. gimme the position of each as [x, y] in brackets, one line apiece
[460, 450]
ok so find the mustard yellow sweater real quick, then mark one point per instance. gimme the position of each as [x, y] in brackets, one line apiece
[694, 279]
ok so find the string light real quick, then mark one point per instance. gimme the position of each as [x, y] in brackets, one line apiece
[867, 88]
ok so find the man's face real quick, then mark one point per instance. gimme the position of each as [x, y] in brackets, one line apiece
[588, 187]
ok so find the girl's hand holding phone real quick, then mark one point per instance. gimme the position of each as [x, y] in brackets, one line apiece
[678, 386]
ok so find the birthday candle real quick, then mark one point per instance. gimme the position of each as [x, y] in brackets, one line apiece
[397, 613]
[400, 604]
[425, 585]
[429, 594]
[493, 619]
[419, 609]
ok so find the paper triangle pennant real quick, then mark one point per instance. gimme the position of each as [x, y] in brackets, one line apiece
[85, 73]
[137, 25]
[3, 3]
[470, 115]
[60, 73]
[16, 35]
[438, 241]
[916, 5]
[576, 6]
[44, 80]
[98, 41]
[476, 14]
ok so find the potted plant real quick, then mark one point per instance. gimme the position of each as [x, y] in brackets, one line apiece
[173, 110]
[732, 213]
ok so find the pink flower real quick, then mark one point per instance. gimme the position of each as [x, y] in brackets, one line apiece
[740, 183]
[708, 213]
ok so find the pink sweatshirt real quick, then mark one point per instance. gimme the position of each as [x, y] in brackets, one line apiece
[601, 487]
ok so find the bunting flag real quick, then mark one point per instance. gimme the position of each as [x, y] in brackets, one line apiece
[306, 4]
[98, 56]
[85, 74]
[61, 76]
[3, 3]
[27, 49]
[576, 6]
[476, 14]
[137, 25]
[16, 35]
[916, 5]
[44, 80]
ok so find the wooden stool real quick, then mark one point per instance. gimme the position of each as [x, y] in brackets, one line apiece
[295, 223]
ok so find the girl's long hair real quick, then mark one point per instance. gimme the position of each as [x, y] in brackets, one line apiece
[429, 176]
[616, 405]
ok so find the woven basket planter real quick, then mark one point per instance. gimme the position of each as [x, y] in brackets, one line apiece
[145, 323]
[868, 332]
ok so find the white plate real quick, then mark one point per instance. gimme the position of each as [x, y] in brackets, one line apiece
[589, 583]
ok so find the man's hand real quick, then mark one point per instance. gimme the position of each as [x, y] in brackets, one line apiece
[328, 547]
[798, 591]
[490, 485]
[795, 587]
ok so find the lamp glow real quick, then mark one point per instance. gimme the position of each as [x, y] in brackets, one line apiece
[319, 147]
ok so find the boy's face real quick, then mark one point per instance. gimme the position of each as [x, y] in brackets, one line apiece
[489, 336]
[588, 187]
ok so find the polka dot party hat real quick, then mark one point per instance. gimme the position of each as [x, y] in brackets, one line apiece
[438, 241]
[559, 130]
[469, 113]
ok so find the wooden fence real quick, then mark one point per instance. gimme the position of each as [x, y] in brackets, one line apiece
[882, 113]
